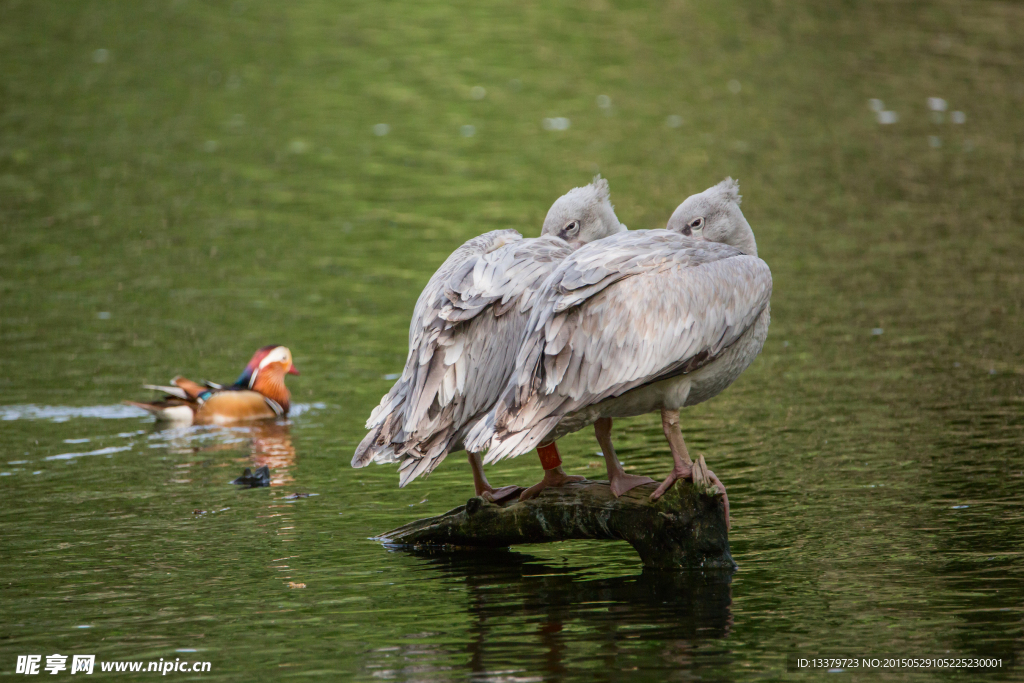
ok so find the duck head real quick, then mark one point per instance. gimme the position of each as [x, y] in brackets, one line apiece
[270, 362]
[714, 215]
[583, 214]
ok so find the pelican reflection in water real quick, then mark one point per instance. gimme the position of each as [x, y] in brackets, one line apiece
[551, 609]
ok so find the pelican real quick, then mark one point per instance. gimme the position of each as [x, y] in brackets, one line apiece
[639, 322]
[465, 331]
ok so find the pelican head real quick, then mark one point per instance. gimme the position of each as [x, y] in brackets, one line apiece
[714, 215]
[269, 360]
[583, 214]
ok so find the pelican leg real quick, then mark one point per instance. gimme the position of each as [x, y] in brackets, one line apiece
[683, 467]
[554, 475]
[483, 487]
[618, 480]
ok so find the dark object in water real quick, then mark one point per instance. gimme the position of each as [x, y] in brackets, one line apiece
[260, 478]
[684, 529]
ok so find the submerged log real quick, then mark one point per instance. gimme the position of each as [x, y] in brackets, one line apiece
[684, 529]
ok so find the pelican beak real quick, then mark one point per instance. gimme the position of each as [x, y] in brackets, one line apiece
[293, 371]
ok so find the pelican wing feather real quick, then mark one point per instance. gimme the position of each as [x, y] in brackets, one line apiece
[616, 315]
[463, 342]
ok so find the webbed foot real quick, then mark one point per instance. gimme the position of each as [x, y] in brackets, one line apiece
[622, 483]
[501, 495]
[698, 473]
[552, 478]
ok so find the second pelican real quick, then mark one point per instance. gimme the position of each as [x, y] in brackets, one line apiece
[640, 322]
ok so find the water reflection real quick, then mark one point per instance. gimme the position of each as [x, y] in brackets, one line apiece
[116, 411]
[268, 443]
[553, 609]
[271, 445]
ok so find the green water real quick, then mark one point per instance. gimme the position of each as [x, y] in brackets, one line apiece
[183, 182]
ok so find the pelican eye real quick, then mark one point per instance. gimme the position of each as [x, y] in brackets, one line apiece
[695, 224]
[571, 228]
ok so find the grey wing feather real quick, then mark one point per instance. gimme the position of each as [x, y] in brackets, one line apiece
[619, 314]
[386, 419]
[503, 277]
[457, 368]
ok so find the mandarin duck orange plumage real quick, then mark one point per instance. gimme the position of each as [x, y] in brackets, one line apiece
[258, 394]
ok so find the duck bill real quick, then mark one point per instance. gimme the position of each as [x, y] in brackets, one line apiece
[293, 371]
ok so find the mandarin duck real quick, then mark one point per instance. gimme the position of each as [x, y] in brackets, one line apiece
[258, 394]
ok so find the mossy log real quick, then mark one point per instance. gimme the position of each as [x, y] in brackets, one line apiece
[684, 529]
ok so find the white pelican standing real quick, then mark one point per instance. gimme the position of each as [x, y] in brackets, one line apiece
[465, 331]
[640, 322]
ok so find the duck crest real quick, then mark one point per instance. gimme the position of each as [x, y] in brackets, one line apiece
[249, 375]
